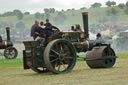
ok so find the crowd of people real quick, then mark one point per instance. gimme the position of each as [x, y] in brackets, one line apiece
[40, 30]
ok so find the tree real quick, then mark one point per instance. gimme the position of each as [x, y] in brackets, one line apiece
[108, 3]
[52, 10]
[37, 15]
[42, 16]
[121, 5]
[96, 5]
[127, 4]
[20, 16]
[62, 10]
[83, 8]
[8, 14]
[114, 11]
[20, 25]
[68, 9]
[60, 18]
[126, 10]
[18, 13]
[47, 12]
[113, 3]
[26, 13]
[73, 9]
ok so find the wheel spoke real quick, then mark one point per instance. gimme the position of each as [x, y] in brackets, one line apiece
[63, 64]
[54, 60]
[54, 51]
[61, 47]
[66, 53]
[52, 55]
[68, 57]
[57, 47]
[58, 67]
[66, 48]
[66, 61]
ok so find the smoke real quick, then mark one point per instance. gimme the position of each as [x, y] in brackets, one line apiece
[120, 44]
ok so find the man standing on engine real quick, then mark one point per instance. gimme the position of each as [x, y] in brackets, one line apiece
[33, 28]
[40, 32]
[48, 24]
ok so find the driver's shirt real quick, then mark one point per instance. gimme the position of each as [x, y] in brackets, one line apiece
[42, 31]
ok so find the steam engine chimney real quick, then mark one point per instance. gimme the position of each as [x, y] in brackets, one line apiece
[85, 23]
[8, 33]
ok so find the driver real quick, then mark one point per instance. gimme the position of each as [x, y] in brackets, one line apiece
[49, 28]
[48, 24]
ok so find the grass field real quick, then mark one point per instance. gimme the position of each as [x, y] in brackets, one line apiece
[12, 73]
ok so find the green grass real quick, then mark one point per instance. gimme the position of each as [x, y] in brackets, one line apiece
[122, 55]
[11, 63]
[19, 61]
[80, 75]
[12, 73]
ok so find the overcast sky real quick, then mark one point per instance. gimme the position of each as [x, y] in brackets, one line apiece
[38, 5]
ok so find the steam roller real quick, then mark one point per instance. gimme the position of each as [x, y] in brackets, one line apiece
[10, 52]
[59, 52]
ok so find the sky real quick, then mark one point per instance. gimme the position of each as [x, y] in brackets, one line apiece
[34, 6]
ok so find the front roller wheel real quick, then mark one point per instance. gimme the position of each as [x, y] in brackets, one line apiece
[101, 57]
[60, 56]
[10, 53]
